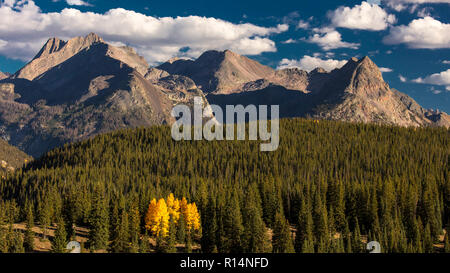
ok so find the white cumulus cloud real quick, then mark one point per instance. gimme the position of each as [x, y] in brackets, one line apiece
[77, 3]
[365, 16]
[25, 27]
[331, 39]
[310, 63]
[442, 78]
[385, 70]
[425, 32]
[289, 41]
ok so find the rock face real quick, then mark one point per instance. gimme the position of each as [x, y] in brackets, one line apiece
[358, 93]
[76, 89]
[225, 72]
[439, 118]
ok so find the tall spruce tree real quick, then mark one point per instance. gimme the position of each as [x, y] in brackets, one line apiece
[121, 241]
[233, 224]
[99, 222]
[29, 234]
[209, 227]
[59, 242]
[282, 237]
[254, 236]
[304, 234]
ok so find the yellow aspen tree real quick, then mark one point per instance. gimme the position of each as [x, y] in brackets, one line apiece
[195, 217]
[191, 217]
[174, 207]
[157, 218]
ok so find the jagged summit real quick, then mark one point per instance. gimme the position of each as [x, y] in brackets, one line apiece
[3, 75]
[367, 79]
[75, 44]
[219, 71]
[56, 51]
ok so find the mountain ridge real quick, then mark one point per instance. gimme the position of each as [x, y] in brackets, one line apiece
[72, 90]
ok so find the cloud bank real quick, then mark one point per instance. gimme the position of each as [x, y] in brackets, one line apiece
[24, 28]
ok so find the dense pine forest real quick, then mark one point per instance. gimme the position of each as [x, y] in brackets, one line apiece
[330, 188]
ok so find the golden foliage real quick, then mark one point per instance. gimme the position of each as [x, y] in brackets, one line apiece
[159, 213]
[157, 218]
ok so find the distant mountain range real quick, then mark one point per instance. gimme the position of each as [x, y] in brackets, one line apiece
[75, 89]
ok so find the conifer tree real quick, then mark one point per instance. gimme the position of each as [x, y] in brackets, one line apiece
[171, 239]
[446, 244]
[304, 232]
[209, 227]
[29, 234]
[233, 225]
[428, 240]
[134, 229]
[282, 238]
[59, 242]
[181, 229]
[121, 242]
[188, 243]
[45, 217]
[254, 236]
[356, 238]
[15, 242]
[99, 222]
[144, 246]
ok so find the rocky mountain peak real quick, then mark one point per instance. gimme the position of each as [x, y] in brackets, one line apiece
[219, 71]
[367, 79]
[318, 70]
[56, 51]
[51, 46]
[3, 76]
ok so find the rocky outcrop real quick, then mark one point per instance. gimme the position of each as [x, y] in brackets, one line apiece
[439, 118]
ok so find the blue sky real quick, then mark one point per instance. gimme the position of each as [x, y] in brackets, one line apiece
[410, 41]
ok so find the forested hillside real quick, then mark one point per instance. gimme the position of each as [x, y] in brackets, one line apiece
[330, 187]
[11, 157]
